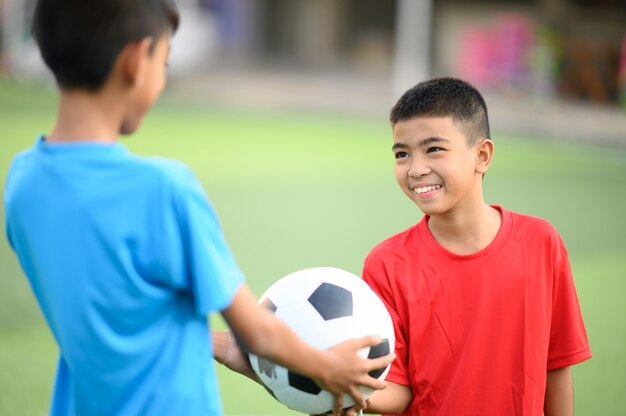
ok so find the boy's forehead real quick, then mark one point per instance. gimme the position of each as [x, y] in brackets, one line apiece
[424, 127]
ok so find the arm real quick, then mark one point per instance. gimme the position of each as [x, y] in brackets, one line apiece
[559, 399]
[338, 370]
[393, 400]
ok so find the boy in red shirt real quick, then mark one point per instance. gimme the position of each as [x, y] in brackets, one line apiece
[486, 316]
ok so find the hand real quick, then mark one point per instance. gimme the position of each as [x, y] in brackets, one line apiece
[229, 353]
[351, 411]
[237, 359]
[346, 371]
[357, 410]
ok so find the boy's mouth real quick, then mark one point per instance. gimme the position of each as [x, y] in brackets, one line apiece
[423, 189]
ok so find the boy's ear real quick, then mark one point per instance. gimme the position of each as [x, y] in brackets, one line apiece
[484, 153]
[134, 58]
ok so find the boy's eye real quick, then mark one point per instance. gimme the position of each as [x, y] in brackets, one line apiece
[400, 155]
[433, 149]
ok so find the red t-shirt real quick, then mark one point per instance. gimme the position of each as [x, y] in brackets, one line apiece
[476, 334]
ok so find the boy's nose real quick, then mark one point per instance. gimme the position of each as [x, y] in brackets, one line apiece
[418, 169]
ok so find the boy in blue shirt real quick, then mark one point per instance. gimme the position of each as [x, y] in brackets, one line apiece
[124, 253]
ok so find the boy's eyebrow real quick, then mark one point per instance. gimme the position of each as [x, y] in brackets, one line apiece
[422, 143]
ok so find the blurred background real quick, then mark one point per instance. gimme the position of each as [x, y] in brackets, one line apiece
[281, 106]
[537, 60]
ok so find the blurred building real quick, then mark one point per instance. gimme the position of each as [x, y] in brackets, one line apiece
[566, 48]
[544, 51]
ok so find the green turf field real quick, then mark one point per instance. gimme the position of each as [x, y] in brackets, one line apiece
[301, 190]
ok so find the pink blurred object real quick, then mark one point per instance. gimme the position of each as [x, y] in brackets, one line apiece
[622, 75]
[622, 61]
[476, 57]
[497, 55]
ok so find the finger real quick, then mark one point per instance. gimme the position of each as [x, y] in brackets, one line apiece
[367, 341]
[338, 404]
[358, 410]
[357, 396]
[367, 404]
[353, 411]
[381, 362]
[373, 383]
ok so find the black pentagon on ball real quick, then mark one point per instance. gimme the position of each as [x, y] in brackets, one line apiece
[331, 301]
[303, 383]
[379, 350]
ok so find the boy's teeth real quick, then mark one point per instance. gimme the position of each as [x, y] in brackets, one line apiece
[426, 189]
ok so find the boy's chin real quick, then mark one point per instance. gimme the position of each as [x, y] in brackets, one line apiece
[430, 209]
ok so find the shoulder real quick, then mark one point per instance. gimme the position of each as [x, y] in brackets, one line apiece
[532, 226]
[11, 186]
[392, 247]
[19, 160]
[21, 156]
[169, 170]
[171, 177]
[166, 183]
[17, 179]
[535, 233]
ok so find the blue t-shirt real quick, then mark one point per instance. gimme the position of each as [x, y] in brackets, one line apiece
[126, 258]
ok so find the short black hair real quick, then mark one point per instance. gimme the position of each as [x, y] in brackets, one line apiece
[445, 97]
[80, 40]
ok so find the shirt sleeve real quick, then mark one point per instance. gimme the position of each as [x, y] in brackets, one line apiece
[197, 258]
[375, 274]
[568, 338]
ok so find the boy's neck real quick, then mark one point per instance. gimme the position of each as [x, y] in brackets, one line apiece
[86, 116]
[467, 233]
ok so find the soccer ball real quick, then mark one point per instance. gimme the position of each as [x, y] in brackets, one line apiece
[324, 306]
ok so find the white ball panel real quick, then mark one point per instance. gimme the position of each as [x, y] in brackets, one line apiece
[290, 296]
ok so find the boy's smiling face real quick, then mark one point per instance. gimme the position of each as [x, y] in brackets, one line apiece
[436, 167]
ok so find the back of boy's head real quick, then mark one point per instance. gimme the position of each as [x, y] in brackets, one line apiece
[80, 40]
[445, 97]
